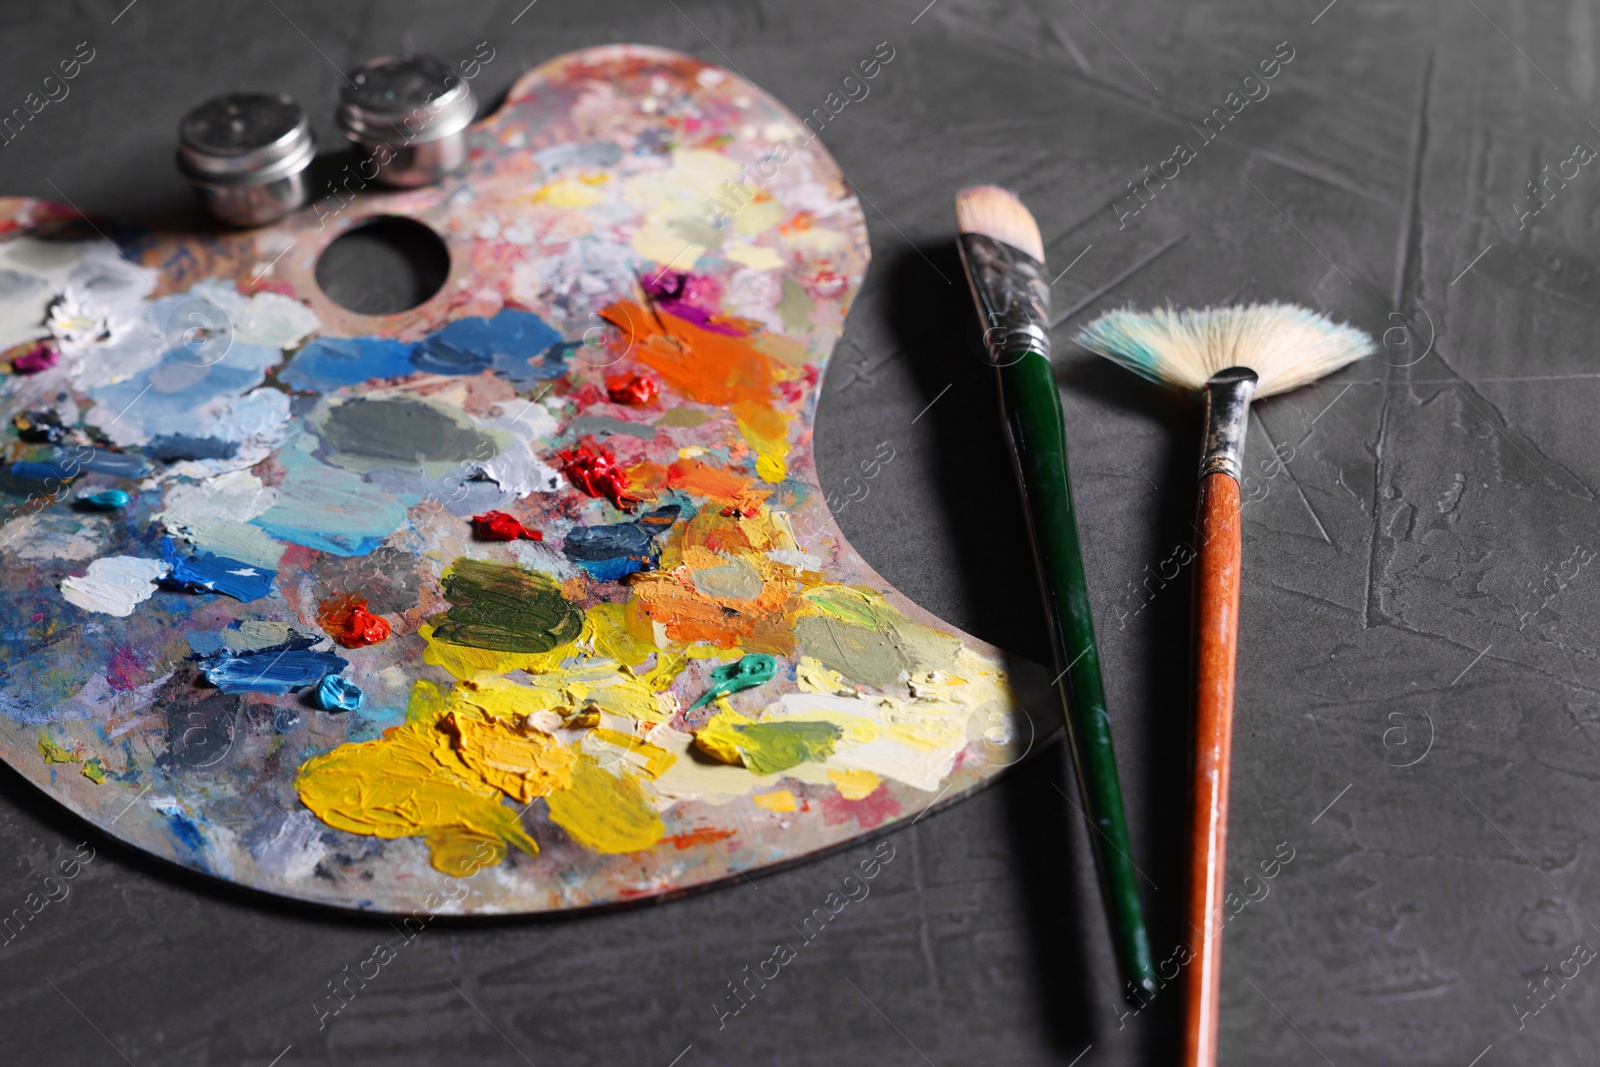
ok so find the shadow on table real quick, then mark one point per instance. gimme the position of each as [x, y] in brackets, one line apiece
[977, 491]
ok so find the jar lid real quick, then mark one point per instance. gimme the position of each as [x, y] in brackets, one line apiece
[405, 100]
[244, 139]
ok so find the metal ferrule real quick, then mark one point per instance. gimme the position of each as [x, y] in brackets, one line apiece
[1012, 295]
[1228, 396]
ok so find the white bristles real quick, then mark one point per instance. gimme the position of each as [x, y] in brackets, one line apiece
[1286, 345]
[997, 213]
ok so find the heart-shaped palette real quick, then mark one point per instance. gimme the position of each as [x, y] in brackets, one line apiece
[525, 599]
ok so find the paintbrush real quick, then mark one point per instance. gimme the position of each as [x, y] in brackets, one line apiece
[1004, 260]
[1230, 356]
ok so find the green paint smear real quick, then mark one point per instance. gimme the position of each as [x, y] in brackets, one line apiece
[505, 608]
[794, 308]
[864, 638]
[54, 753]
[749, 672]
[688, 418]
[696, 231]
[770, 747]
[95, 771]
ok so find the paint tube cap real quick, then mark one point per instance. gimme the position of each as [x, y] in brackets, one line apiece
[244, 139]
[405, 100]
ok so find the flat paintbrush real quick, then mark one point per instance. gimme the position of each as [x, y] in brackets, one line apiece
[1004, 259]
[1230, 356]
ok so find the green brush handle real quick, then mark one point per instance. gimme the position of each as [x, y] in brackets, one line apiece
[1039, 446]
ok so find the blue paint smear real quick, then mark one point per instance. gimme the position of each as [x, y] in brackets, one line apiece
[205, 572]
[338, 694]
[187, 833]
[168, 410]
[578, 154]
[45, 472]
[110, 500]
[175, 446]
[504, 343]
[274, 671]
[99, 460]
[330, 510]
[612, 552]
[468, 346]
[330, 363]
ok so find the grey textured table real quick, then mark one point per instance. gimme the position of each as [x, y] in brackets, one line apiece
[1419, 694]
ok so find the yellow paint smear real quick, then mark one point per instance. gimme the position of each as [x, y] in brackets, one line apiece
[759, 214]
[408, 783]
[855, 785]
[779, 801]
[812, 677]
[606, 634]
[604, 812]
[756, 257]
[597, 687]
[523, 764]
[427, 702]
[767, 432]
[693, 777]
[717, 740]
[923, 726]
[569, 193]
[462, 853]
[651, 759]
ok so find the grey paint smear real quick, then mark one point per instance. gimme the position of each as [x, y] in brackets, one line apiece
[367, 433]
[605, 424]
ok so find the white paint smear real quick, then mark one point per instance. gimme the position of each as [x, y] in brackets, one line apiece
[114, 585]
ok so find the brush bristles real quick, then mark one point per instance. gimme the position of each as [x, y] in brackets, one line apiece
[1286, 345]
[997, 213]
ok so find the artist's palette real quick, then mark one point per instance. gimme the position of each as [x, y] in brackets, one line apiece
[522, 600]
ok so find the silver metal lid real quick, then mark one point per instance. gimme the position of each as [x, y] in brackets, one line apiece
[244, 139]
[405, 100]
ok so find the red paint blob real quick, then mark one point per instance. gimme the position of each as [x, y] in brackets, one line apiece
[499, 526]
[347, 621]
[634, 390]
[40, 357]
[364, 628]
[593, 469]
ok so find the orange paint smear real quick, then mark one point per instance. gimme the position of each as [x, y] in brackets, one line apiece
[716, 484]
[699, 837]
[646, 478]
[674, 601]
[717, 369]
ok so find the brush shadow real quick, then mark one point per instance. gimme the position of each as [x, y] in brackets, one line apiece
[980, 502]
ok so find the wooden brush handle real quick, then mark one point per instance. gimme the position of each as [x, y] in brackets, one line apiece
[1216, 645]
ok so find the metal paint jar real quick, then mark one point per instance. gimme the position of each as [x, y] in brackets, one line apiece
[246, 154]
[407, 117]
